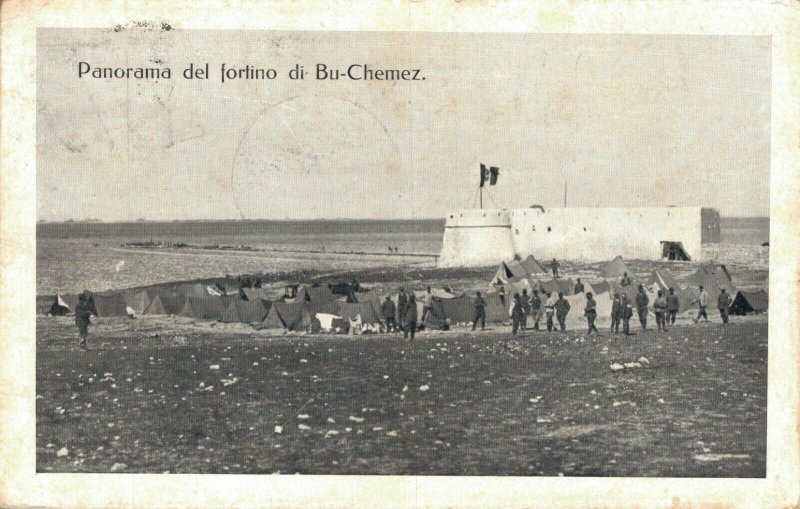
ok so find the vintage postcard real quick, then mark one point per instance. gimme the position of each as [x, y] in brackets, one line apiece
[411, 254]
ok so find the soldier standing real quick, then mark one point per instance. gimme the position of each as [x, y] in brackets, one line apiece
[480, 312]
[660, 307]
[673, 305]
[388, 310]
[724, 304]
[555, 265]
[642, 300]
[516, 314]
[525, 302]
[702, 303]
[536, 309]
[410, 317]
[616, 312]
[562, 308]
[83, 312]
[578, 287]
[591, 312]
[627, 314]
[550, 309]
[402, 300]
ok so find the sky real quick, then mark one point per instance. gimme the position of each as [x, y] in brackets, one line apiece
[621, 120]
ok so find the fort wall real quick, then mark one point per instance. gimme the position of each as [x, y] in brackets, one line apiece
[488, 236]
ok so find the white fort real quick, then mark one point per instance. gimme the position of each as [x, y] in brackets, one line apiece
[480, 237]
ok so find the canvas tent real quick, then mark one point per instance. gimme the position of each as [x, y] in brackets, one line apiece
[459, 310]
[713, 278]
[315, 294]
[112, 304]
[600, 287]
[206, 308]
[509, 272]
[663, 280]
[193, 290]
[245, 311]
[292, 316]
[614, 269]
[533, 267]
[496, 311]
[366, 310]
[138, 301]
[564, 285]
[750, 302]
[165, 304]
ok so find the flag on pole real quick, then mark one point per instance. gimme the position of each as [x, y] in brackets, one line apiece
[484, 174]
[495, 172]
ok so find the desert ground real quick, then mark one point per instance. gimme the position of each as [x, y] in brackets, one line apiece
[170, 394]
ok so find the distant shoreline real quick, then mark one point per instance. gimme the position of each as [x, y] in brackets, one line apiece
[327, 220]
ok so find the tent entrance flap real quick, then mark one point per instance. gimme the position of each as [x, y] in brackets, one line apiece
[673, 250]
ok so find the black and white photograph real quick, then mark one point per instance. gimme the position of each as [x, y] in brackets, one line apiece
[401, 253]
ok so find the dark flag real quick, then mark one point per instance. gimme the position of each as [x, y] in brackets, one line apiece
[495, 172]
[484, 174]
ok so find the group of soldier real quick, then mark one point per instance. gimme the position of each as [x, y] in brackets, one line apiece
[665, 307]
[403, 316]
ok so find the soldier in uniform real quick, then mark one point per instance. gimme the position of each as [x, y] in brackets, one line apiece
[627, 314]
[660, 307]
[562, 308]
[410, 317]
[402, 300]
[536, 308]
[480, 311]
[550, 309]
[642, 300]
[616, 312]
[388, 311]
[578, 287]
[525, 302]
[83, 312]
[673, 305]
[516, 314]
[591, 312]
[723, 304]
[702, 303]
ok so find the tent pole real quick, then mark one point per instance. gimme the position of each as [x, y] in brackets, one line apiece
[481, 197]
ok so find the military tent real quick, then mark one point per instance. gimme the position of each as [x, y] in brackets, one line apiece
[614, 269]
[138, 301]
[496, 311]
[165, 304]
[564, 285]
[44, 303]
[712, 277]
[532, 266]
[261, 293]
[110, 304]
[368, 312]
[316, 294]
[508, 272]
[459, 310]
[273, 319]
[245, 311]
[70, 299]
[750, 302]
[674, 251]
[663, 279]
[436, 319]
[600, 287]
[294, 316]
[209, 307]
[370, 296]
[193, 290]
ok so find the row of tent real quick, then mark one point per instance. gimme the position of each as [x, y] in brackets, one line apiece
[517, 276]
